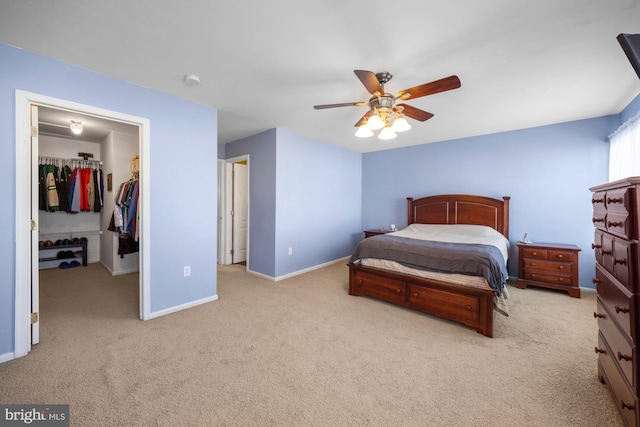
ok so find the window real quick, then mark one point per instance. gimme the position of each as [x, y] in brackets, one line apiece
[624, 150]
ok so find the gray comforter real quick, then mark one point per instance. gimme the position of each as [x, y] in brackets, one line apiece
[469, 259]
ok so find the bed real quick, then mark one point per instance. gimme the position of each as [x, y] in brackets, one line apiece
[415, 276]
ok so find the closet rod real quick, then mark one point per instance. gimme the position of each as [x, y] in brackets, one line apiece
[61, 159]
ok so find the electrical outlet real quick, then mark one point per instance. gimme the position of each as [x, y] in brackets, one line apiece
[290, 251]
[187, 270]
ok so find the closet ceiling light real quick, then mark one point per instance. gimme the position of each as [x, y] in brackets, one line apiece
[76, 127]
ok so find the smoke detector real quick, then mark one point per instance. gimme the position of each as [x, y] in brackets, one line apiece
[192, 80]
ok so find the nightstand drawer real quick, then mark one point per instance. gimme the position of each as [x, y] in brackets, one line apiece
[536, 253]
[557, 255]
[548, 278]
[548, 266]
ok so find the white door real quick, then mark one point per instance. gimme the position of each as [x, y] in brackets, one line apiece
[240, 212]
[35, 283]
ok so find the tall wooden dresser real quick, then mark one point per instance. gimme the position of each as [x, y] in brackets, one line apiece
[616, 210]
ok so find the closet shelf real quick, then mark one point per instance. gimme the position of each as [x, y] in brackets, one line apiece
[55, 249]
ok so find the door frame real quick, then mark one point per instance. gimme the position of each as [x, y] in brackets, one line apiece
[226, 237]
[23, 177]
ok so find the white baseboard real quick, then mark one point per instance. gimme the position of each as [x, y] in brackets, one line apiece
[7, 356]
[299, 272]
[181, 307]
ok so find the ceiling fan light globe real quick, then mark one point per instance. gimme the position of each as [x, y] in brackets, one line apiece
[400, 125]
[364, 132]
[387, 133]
[375, 122]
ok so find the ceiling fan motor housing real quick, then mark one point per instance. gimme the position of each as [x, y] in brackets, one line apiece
[382, 104]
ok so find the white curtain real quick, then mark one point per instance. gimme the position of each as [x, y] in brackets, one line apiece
[624, 150]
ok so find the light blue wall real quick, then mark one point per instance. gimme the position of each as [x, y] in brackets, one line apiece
[547, 171]
[261, 149]
[305, 195]
[183, 149]
[318, 202]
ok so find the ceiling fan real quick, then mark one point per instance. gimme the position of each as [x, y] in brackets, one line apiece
[384, 113]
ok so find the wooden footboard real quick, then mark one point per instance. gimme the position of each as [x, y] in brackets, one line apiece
[472, 307]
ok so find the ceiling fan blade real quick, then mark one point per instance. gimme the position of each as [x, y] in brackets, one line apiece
[363, 119]
[415, 113]
[345, 104]
[448, 83]
[370, 81]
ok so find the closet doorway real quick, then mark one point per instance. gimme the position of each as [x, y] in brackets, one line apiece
[39, 135]
[234, 219]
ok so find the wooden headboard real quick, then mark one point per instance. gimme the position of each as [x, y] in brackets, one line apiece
[460, 209]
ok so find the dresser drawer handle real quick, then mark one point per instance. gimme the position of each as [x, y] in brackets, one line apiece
[595, 281]
[598, 350]
[597, 220]
[594, 246]
[621, 309]
[616, 200]
[622, 261]
[625, 406]
[606, 252]
[598, 315]
[597, 200]
[622, 356]
[615, 224]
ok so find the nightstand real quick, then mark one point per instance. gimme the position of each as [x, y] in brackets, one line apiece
[369, 233]
[549, 265]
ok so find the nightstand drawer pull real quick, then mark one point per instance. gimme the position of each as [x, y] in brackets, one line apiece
[598, 315]
[561, 267]
[617, 200]
[598, 350]
[469, 308]
[398, 290]
[615, 224]
[625, 406]
[622, 356]
[622, 261]
[415, 295]
[621, 309]
[560, 256]
[534, 253]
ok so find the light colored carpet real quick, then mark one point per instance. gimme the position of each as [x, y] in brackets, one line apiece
[302, 352]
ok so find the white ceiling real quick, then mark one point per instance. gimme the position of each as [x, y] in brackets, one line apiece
[265, 63]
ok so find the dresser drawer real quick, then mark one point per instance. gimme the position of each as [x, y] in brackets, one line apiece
[623, 395]
[619, 224]
[618, 201]
[624, 352]
[618, 257]
[621, 304]
[390, 290]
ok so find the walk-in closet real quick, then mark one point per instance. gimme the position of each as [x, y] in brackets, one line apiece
[88, 198]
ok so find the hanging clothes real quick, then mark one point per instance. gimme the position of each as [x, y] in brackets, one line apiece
[124, 219]
[67, 189]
